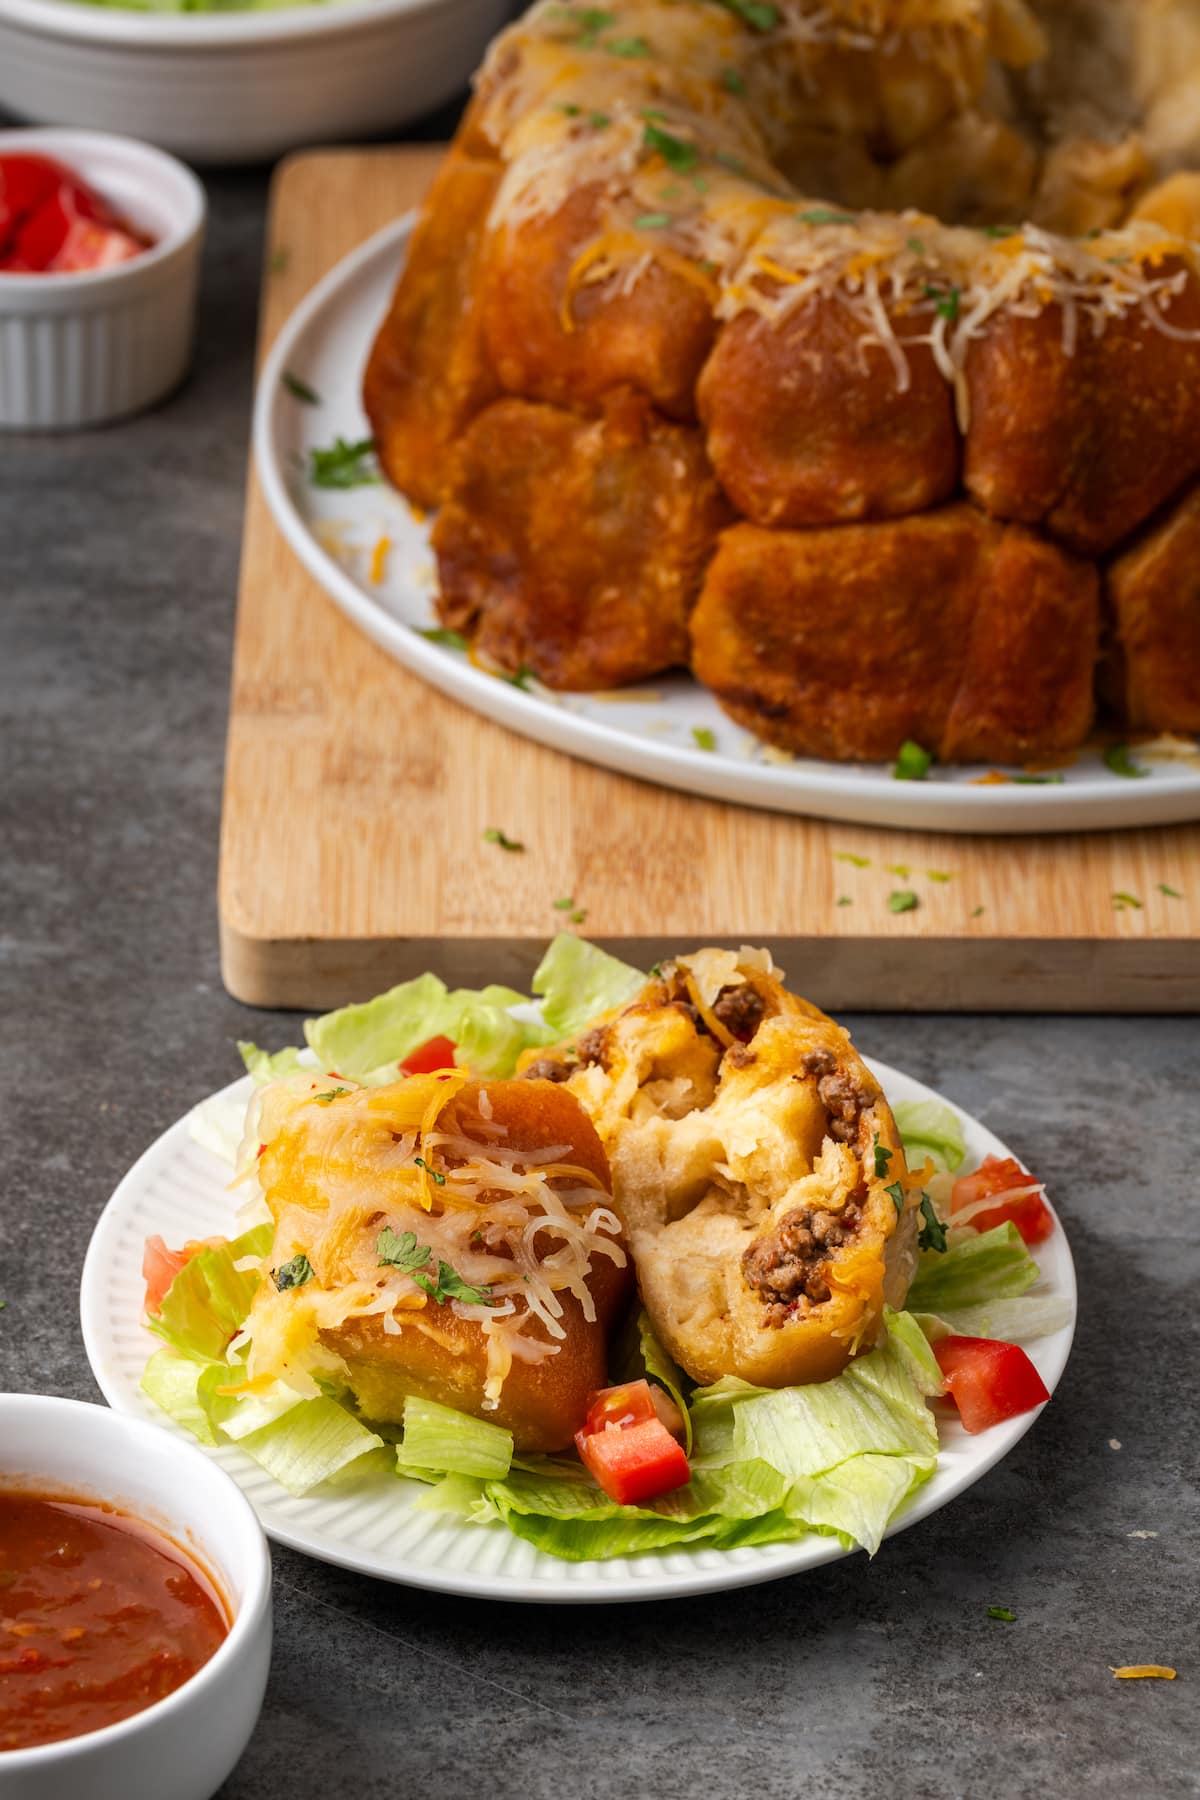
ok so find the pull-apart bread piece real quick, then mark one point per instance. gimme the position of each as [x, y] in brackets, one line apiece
[576, 547]
[1154, 599]
[756, 1168]
[975, 639]
[462, 1243]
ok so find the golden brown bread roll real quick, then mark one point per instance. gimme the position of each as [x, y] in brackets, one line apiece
[743, 1131]
[975, 640]
[428, 371]
[1086, 443]
[576, 547]
[807, 423]
[1154, 596]
[462, 1247]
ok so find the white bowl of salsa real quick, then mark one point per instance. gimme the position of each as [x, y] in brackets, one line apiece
[240, 85]
[135, 1609]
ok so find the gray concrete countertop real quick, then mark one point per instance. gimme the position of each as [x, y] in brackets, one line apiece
[118, 558]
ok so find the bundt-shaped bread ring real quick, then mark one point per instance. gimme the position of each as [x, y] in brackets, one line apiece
[629, 345]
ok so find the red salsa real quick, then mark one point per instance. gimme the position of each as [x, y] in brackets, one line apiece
[100, 1616]
[52, 223]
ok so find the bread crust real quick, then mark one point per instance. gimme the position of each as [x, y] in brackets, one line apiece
[723, 1152]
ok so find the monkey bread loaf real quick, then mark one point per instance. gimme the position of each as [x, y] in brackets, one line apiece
[846, 352]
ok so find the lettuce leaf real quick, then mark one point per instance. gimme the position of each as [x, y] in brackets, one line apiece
[264, 1066]
[639, 1354]
[208, 1299]
[576, 982]
[310, 1443]
[984, 1267]
[368, 1040]
[838, 1458]
[171, 1381]
[439, 1438]
[1017, 1321]
[930, 1128]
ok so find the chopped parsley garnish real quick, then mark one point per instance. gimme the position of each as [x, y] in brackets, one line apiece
[844, 900]
[435, 1175]
[1038, 780]
[1000, 231]
[599, 120]
[572, 111]
[630, 48]
[896, 1191]
[900, 869]
[883, 1157]
[974, 914]
[1001, 1612]
[947, 301]
[494, 835]
[1118, 759]
[1170, 892]
[294, 1274]
[331, 1094]
[732, 82]
[933, 1232]
[591, 20]
[916, 245]
[652, 222]
[280, 259]
[566, 904]
[400, 1250]
[342, 465]
[913, 762]
[300, 389]
[940, 874]
[902, 900]
[825, 215]
[860, 862]
[440, 634]
[706, 739]
[522, 678]
[676, 152]
[758, 14]
[1122, 902]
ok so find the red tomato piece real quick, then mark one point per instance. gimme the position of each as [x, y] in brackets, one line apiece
[630, 1404]
[988, 1380]
[160, 1266]
[634, 1463]
[436, 1053]
[1008, 1182]
[25, 182]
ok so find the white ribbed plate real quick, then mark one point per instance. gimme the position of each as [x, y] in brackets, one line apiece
[648, 731]
[179, 1190]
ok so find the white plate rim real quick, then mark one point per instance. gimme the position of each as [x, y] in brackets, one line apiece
[734, 1569]
[1092, 803]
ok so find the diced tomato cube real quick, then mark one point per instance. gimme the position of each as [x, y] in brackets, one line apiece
[634, 1463]
[1008, 1182]
[630, 1404]
[160, 1266]
[988, 1380]
[436, 1053]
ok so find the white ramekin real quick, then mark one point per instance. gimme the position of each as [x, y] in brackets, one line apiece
[240, 87]
[183, 1747]
[82, 349]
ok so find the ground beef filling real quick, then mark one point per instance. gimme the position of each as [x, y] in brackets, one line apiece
[591, 1048]
[740, 1010]
[840, 1091]
[546, 1069]
[785, 1266]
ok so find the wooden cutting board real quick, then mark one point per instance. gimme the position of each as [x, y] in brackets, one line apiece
[356, 798]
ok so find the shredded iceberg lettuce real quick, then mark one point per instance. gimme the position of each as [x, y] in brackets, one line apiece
[369, 1040]
[930, 1128]
[576, 982]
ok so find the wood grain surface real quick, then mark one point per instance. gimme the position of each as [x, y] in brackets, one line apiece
[356, 798]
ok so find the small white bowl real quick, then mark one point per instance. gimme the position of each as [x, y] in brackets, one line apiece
[183, 1747]
[86, 348]
[241, 87]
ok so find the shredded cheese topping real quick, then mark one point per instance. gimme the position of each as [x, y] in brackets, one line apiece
[666, 116]
[338, 1166]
